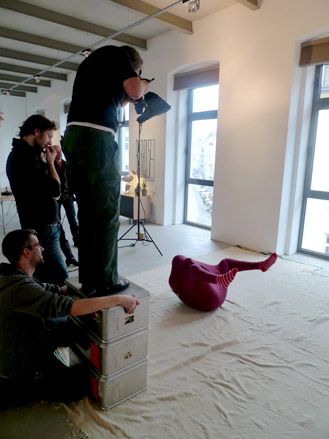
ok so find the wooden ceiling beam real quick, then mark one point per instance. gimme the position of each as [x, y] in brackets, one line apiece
[37, 59]
[68, 21]
[7, 85]
[31, 71]
[39, 41]
[18, 79]
[252, 4]
[21, 94]
[166, 17]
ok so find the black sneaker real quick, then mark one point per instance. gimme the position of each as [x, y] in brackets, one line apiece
[121, 285]
[88, 291]
[72, 261]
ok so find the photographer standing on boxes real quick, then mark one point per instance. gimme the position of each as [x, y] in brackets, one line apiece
[34, 322]
[106, 79]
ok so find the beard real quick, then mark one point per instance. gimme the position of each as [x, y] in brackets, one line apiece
[40, 260]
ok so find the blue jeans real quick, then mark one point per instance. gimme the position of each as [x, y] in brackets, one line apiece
[65, 246]
[54, 269]
[71, 217]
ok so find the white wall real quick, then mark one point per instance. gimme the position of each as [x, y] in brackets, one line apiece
[14, 111]
[52, 101]
[258, 56]
[259, 113]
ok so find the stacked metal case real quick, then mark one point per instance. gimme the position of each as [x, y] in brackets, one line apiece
[117, 349]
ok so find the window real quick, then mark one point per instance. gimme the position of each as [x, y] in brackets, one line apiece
[123, 137]
[40, 112]
[201, 151]
[314, 227]
[67, 106]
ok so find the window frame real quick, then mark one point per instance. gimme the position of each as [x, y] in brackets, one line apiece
[318, 104]
[191, 117]
[122, 123]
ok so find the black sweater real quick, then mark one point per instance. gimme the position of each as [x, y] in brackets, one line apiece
[35, 191]
[98, 87]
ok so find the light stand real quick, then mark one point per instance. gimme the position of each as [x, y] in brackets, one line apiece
[143, 235]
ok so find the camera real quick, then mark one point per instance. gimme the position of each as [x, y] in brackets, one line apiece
[149, 106]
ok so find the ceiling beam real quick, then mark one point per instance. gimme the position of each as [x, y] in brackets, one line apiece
[66, 20]
[252, 4]
[148, 9]
[20, 94]
[18, 79]
[39, 41]
[29, 57]
[30, 71]
[7, 85]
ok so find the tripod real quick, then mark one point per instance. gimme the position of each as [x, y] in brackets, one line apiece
[142, 234]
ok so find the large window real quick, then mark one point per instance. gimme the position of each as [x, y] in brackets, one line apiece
[314, 228]
[201, 150]
[123, 137]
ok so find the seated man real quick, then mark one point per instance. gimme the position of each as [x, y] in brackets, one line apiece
[30, 329]
[204, 286]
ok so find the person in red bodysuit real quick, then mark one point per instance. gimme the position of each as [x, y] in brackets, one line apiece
[203, 286]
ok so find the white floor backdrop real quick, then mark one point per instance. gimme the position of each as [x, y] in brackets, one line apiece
[255, 368]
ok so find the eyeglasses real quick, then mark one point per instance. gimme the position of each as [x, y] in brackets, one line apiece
[34, 245]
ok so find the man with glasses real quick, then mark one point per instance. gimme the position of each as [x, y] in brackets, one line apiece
[36, 186]
[34, 322]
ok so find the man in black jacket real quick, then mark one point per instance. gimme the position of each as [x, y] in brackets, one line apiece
[36, 187]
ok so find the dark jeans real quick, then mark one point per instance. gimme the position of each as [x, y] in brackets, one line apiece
[57, 383]
[52, 380]
[95, 163]
[65, 246]
[63, 332]
[54, 269]
[68, 205]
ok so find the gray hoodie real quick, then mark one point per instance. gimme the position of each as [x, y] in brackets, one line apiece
[25, 305]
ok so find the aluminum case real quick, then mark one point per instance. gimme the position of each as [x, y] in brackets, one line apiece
[108, 358]
[112, 323]
[111, 390]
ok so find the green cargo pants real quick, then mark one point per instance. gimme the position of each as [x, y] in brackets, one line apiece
[94, 163]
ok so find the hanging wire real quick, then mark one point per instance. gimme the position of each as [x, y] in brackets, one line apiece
[115, 34]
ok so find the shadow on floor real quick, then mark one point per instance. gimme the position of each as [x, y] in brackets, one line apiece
[37, 422]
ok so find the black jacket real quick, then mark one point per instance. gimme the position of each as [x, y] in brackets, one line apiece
[35, 191]
[106, 69]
